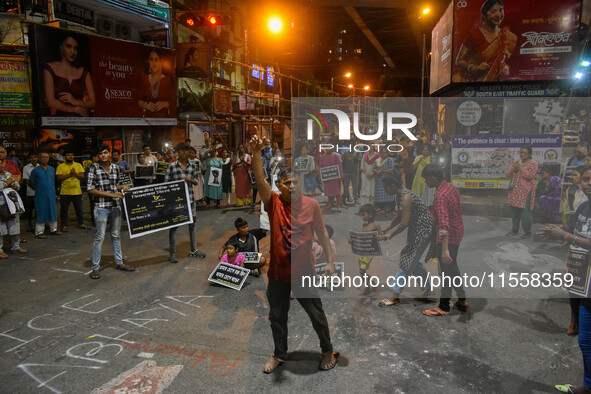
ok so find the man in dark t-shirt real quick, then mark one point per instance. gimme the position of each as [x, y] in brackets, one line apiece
[248, 241]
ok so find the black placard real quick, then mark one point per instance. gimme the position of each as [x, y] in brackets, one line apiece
[329, 173]
[161, 167]
[252, 257]
[577, 264]
[125, 180]
[229, 275]
[157, 207]
[365, 244]
[339, 271]
[144, 172]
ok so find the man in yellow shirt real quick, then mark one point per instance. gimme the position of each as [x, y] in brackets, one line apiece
[69, 175]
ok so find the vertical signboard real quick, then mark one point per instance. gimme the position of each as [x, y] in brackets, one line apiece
[441, 51]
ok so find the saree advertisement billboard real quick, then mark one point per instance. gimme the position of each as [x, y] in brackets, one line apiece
[481, 161]
[84, 80]
[441, 50]
[515, 40]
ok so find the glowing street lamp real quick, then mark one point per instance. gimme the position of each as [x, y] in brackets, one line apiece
[346, 75]
[275, 25]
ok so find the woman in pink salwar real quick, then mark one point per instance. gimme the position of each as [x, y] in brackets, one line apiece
[332, 188]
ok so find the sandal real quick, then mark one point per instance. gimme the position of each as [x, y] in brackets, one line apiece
[462, 306]
[57, 233]
[434, 312]
[20, 251]
[197, 253]
[125, 267]
[65, 229]
[3, 255]
[95, 274]
[84, 227]
[271, 365]
[329, 360]
[41, 236]
[572, 333]
[389, 302]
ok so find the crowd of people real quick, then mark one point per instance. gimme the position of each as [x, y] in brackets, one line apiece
[412, 186]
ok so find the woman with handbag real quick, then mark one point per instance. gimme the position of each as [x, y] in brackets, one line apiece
[523, 193]
[9, 223]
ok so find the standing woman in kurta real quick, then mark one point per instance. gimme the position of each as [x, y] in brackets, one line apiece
[241, 168]
[226, 175]
[523, 194]
[213, 192]
[367, 176]
[332, 188]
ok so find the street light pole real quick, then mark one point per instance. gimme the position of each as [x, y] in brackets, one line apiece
[423, 75]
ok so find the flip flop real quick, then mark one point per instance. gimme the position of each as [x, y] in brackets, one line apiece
[125, 267]
[563, 388]
[434, 312]
[271, 365]
[95, 275]
[84, 227]
[388, 302]
[41, 236]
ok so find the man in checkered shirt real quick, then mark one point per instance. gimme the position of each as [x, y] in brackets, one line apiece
[186, 170]
[104, 180]
[447, 212]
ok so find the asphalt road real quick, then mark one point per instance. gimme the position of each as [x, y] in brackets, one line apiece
[164, 329]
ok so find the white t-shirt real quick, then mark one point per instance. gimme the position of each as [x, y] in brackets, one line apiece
[27, 175]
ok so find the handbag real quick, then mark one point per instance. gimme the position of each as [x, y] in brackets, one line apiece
[310, 182]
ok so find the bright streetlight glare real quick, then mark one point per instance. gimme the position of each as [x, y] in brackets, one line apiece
[426, 11]
[275, 24]
[585, 63]
[348, 75]
[579, 75]
[350, 85]
[366, 87]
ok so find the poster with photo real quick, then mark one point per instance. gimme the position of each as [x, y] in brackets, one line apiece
[515, 40]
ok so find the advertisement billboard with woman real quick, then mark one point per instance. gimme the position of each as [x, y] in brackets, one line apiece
[118, 83]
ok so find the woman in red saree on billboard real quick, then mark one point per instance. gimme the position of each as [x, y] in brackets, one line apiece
[158, 96]
[484, 52]
[68, 86]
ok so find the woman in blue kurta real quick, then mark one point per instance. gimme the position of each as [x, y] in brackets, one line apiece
[43, 179]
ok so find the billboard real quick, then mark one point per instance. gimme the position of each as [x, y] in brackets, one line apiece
[118, 83]
[15, 95]
[481, 161]
[514, 40]
[441, 50]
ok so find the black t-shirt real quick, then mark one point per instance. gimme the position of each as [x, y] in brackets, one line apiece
[580, 222]
[252, 240]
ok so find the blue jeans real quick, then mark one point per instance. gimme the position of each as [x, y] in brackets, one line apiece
[103, 217]
[416, 268]
[585, 340]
